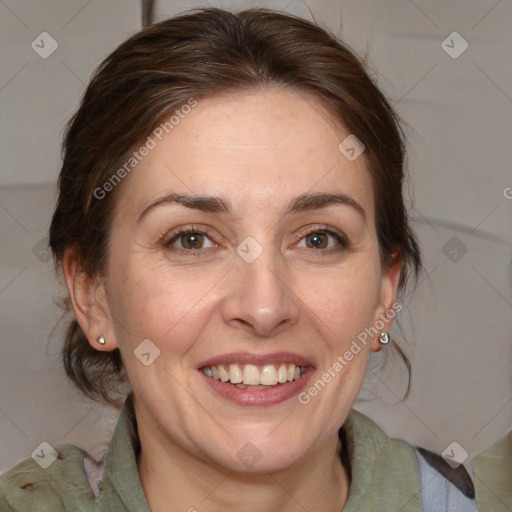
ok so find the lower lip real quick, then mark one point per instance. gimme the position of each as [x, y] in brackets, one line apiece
[259, 397]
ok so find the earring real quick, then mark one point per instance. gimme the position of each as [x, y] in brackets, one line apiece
[384, 337]
[101, 340]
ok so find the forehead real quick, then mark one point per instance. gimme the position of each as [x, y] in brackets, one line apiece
[259, 148]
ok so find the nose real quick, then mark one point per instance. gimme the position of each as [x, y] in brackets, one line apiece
[260, 297]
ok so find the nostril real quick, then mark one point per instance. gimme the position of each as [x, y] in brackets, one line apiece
[28, 487]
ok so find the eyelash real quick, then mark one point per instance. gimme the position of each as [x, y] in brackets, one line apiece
[186, 231]
[174, 236]
[339, 237]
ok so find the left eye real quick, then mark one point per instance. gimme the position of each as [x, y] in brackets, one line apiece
[191, 240]
[320, 239]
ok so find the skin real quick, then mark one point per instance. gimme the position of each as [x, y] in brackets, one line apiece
[258, 150]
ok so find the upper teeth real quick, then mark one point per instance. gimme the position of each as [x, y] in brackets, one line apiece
[250, 374]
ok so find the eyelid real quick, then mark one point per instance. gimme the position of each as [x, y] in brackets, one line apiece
[194, 228]
[338, 235]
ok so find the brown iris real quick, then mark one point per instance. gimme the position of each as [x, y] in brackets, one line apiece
[317, 241]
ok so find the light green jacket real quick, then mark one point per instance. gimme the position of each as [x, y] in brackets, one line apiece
[385, 475]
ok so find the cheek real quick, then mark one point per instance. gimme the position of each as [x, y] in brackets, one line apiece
[161, 305]
[342, 303]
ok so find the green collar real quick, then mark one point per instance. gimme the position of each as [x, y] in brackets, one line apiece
[384, 471]
[121, 484]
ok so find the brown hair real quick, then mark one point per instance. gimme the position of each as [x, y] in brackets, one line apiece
[198, 55]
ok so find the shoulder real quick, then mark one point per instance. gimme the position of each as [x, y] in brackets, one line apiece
[51, 481]
[368, 434]
[442, 488]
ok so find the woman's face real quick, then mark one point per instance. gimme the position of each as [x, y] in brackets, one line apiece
[273, 272]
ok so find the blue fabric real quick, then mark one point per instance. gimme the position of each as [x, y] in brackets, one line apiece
[439, 494]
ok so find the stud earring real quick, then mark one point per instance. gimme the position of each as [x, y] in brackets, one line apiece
[101, 340]
[384, 337]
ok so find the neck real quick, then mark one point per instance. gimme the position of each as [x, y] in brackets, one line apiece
[169, 476]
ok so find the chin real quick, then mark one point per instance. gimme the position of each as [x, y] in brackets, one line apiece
[243, 455]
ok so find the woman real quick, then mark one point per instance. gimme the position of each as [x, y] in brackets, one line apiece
[233, 237]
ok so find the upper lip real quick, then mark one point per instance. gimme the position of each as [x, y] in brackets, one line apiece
[257, 359]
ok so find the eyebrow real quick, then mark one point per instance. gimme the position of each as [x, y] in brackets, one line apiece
[212, 204]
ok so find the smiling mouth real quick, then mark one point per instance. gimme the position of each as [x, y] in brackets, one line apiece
[249, 376]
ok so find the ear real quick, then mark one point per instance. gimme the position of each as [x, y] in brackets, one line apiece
[385, 311]
[89, 301]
